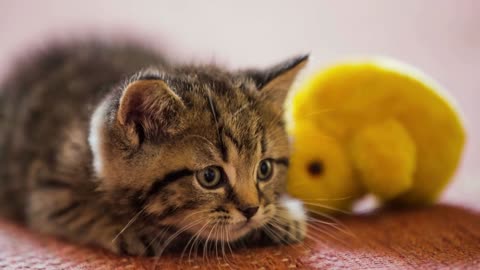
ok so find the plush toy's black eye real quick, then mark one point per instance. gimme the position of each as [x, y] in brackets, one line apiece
[315, 168]
[265, 170]
[210, 177]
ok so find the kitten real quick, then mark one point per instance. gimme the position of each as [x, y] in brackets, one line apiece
[115, 147]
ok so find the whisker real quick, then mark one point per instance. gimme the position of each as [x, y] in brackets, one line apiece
[193, 238]
[205, 247]
[304, 116]
[329, 199]
[157, 236]
[335, 226]
[327, 216]
[216, 243]
[190, 241]
[319, 213]
[224, 240]
[169, 226]
[335, 223]
[194, 213]
[304, 244]
[205, 243]
[274, 235]
[210, 101]
[203, 138]
[196, 241]
[328, 207]
[177, 233]
[129, 223]
[221, 241]
[228, 242]
[278, 225]
[241, 109]
[320, 231]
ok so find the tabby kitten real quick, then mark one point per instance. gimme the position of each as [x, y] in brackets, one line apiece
[113, 146]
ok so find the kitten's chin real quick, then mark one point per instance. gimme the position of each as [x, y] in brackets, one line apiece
[229, 232]
[220, 230]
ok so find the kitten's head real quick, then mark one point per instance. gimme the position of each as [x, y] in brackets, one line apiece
[196, 147]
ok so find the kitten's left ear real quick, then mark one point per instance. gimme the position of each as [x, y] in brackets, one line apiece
[149, 108]
[275, 82]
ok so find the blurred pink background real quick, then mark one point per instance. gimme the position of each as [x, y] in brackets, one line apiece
[440, 37]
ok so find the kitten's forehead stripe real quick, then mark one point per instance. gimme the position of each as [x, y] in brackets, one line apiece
[229, 134]
[263, 143]
[216, 117]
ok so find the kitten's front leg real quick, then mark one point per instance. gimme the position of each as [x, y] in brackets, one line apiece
[289, 225]
[55, 208]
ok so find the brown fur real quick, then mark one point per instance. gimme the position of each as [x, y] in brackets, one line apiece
[115, 163]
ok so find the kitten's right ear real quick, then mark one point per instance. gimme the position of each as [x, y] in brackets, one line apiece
[274, 83]
[149, 108]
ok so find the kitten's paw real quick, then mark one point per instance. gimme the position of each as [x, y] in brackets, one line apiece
[134, 245]
[290, 222]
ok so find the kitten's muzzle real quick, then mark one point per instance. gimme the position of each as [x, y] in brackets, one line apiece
[248, 212]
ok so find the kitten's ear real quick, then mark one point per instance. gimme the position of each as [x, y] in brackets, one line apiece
[149, 108]
[275, 81]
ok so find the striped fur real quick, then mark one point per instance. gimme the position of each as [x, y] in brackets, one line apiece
[103, 145]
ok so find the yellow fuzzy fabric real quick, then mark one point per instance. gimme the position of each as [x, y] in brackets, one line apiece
[376, 126]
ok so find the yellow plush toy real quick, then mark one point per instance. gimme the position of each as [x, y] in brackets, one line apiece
[374, 126]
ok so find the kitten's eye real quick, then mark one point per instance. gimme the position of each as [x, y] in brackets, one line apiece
[265, 170]
[209, 177]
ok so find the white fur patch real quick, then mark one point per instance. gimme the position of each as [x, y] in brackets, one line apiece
[95, 137]
[295, 208]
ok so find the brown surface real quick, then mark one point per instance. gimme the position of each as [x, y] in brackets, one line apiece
[442, 236]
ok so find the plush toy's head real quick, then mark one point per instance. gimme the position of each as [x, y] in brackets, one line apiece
[320, 171]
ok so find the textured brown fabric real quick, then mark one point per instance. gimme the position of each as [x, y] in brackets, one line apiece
[441, 236]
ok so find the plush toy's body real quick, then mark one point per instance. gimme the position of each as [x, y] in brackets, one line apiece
[372, 127]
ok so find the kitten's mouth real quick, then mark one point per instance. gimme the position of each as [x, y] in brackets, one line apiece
[228, 232]
[231, 231]
[235, 227]
[252, 224]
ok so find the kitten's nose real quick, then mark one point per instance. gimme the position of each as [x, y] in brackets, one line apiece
[249, 212]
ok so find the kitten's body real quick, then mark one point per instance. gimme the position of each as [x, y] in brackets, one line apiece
[87, 148]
